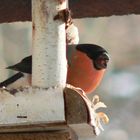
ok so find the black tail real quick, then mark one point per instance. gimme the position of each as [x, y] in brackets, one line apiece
[25, 65]
[11, 79]
[14, 67]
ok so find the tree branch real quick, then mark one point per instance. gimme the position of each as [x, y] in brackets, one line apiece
[20, 10]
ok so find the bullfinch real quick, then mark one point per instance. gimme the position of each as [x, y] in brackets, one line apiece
[86, 66]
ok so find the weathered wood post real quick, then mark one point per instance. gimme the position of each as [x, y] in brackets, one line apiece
[49, 67]
[49, 45]
[40, 108]
[43, 101]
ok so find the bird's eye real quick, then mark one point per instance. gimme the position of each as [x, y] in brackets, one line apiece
[101, 62]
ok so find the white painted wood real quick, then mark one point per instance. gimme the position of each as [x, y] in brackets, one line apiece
[44, 101]
[32, 105]
[49, 46]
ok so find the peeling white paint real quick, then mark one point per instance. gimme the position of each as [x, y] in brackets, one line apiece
[46, 103]
[49, 45]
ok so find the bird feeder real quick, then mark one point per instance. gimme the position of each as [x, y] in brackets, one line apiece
[32, 113]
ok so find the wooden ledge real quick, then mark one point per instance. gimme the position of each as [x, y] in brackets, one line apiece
[20, 10]
[75, 108]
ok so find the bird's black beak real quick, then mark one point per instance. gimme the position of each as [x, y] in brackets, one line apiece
[102, 61]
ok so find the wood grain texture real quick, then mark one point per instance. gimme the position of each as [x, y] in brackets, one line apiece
[57, 135]
[99, 8]
[38, 131]
[20, 10]
[75, 107]
[15, 10]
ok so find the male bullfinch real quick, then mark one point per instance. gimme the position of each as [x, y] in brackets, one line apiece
[86, 66]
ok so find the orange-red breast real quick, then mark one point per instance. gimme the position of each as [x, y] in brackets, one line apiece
[86, 66]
